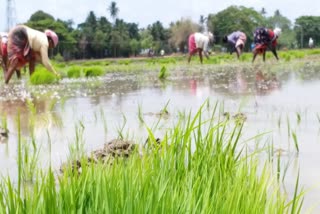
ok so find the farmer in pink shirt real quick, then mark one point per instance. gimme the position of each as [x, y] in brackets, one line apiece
[199, 42]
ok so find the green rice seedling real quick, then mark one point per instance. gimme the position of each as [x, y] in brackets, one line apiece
[288, 126]
[42, 76]
[285, 171]
[74, 72]
[163, 74]
[278, 167]
[295, 140]
[298, 118]
[93, 63]
[140, 114]
[104, 120]
[93, 71]
[124, 62]
[279, 122]
[4, 122]
[121, 128]
[198, 167]
[77, 149]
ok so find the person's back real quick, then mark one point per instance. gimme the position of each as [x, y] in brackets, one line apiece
[202, 41]
[37, 39]
[233, 37]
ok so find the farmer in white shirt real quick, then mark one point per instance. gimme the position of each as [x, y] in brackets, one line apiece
[199, 42]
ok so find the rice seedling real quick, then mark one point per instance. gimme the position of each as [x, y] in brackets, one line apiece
[199, 166]
[74, 72]
[163, 74]
[140, 114]
[4, 122]
[42, 76]
[295, 140]
[93, 71]
[298, 118]
[104, 121]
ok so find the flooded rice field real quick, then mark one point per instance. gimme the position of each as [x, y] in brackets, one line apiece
[279, 104]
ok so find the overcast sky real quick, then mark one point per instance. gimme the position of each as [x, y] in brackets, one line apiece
[144, 12]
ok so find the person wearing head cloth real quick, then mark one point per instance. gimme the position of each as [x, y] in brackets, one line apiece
[237, 41]
[199, 42]
[26, 45]
[265, 38]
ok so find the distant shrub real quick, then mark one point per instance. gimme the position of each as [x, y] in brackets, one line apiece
[92, 63]
[124, 62]
[42, 76]
[314, 51]
[58, 58]
[93, 71]
[74, 72]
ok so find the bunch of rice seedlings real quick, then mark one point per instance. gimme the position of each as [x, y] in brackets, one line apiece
[42, 76]
[93, 71]
[74, 72]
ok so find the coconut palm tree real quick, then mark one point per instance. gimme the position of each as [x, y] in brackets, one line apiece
[114, 10]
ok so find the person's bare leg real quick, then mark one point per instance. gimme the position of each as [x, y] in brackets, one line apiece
[255, 53]
[18, 72]
[189, 58]
[32, 65]
[200, 55]
[11, 69]
[264, 55]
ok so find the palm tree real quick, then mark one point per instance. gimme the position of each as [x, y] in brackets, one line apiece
[113, 9]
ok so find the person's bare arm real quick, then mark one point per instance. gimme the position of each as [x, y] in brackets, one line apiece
[45, 59]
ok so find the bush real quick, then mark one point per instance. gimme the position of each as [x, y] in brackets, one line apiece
[58, 58]
[74, 72]
[42, 76]
[93, 71]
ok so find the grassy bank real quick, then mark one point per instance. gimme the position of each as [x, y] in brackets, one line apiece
[198, 167]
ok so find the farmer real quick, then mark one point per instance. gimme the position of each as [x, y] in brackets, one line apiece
[4, 52]
[265, 38]
[26, 45]
[199, 42]
[311, 43]
[236, 40]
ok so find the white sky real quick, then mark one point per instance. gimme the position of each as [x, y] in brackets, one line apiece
[144, 12]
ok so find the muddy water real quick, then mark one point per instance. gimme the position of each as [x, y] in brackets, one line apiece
[273, 100]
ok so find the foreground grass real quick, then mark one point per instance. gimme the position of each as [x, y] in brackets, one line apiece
[198, 167]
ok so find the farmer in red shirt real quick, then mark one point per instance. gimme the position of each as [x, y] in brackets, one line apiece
[265, 38]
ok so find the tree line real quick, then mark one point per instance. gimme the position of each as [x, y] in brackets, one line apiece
[98, 37]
